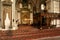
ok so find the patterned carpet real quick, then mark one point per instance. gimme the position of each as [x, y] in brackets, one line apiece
[29, 33]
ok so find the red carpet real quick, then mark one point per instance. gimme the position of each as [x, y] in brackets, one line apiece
[28, 33]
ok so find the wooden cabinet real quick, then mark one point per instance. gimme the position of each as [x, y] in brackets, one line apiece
[45, 19]
[36, 20]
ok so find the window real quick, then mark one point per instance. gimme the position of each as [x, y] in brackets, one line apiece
[53, 6]
[56, 22]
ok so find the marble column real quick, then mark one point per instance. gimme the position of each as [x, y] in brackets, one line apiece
[14, 16]
[0, 13]
[13, 11]
[31, 18]
[19, 18]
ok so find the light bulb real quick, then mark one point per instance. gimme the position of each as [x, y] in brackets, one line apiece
[11, 0]
[42, 7]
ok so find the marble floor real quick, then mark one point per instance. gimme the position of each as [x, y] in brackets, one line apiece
[49, 38]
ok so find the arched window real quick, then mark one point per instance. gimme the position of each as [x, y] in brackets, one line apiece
[53, 6]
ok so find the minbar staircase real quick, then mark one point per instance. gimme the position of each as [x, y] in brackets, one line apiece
[28, 33]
